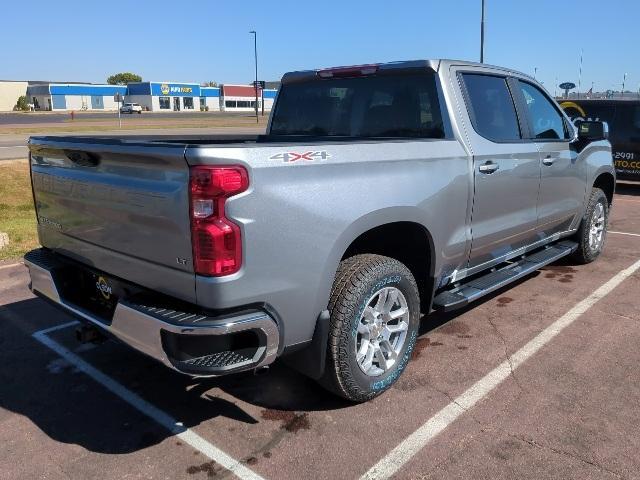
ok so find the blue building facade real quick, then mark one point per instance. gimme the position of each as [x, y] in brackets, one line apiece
[153, 96]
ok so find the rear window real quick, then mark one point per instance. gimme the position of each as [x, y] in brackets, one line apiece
[493, 113]
[378, 106]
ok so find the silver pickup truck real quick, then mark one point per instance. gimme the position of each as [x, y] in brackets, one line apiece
[378, 193]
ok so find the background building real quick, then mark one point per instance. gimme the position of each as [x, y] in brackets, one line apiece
[165, 96]
[74, 96]
[10, 90]
[153, 96]
[242, 98]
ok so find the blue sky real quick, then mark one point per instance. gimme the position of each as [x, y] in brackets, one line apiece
[208, 40]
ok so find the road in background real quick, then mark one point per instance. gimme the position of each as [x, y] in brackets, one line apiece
[31, 118]
[13, 146]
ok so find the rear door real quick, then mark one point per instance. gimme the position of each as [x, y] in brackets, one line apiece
[562, 180]
[506, 170]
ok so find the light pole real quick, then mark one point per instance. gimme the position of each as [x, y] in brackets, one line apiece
[580, 72]
[255, 56]
[535, 72]
[482, 35]
[624, 79]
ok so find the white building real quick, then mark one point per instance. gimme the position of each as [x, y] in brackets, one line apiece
[74, 96]
[9, 92]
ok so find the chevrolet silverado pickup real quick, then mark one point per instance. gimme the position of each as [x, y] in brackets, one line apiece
[379, 192]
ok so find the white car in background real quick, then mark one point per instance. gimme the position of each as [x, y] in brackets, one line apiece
[131, 108]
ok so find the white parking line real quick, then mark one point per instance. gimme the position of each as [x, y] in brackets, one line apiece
[186, 435]
[625, 233]
[401, 454]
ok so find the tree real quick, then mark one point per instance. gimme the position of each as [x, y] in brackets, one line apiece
[123, 78]
[211, 83]
[22, 103]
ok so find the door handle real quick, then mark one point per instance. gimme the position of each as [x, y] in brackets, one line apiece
[488, 167]
[548, 161]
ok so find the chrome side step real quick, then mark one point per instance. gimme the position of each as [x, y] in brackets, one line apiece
[477, 287]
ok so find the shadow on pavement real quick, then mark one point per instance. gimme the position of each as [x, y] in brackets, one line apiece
[70, 407]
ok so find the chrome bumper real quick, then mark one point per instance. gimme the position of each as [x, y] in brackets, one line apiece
[143, 331]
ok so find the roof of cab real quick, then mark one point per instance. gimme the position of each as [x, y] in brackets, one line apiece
[433, 64]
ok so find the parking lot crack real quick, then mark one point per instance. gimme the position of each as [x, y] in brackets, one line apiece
[506, 355]
[564, 453]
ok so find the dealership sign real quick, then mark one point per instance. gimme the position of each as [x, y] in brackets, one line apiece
[567, 85]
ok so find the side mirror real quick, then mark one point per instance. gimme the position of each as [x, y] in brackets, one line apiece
[592, 131]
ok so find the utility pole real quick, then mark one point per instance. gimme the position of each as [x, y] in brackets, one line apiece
[535, 72]
[482, 35]
[255, 55]
[624, 79]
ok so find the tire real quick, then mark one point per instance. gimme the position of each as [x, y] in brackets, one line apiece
[596, 217]
[360, 283]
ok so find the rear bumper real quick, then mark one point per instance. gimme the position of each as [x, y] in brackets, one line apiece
[191, 343]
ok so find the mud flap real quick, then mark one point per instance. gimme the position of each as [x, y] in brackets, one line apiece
[311, 359]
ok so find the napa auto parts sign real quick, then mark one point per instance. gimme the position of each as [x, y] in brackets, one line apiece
[175, 89]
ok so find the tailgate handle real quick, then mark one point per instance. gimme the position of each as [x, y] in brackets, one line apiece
[85, 159]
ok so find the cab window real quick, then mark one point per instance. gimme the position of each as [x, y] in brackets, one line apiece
[545, 120]
[491, 107]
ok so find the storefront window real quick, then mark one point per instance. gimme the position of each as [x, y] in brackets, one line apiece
[187, 103]
[230, 103]
[243, 104]
[165, 103]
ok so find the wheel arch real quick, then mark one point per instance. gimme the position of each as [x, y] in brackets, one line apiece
[607, 183]
[374, 233]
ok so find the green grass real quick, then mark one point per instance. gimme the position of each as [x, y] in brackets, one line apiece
[17, 217]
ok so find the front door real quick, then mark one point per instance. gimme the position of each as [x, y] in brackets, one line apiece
[562, 185]
[506, 172]
[176, 104]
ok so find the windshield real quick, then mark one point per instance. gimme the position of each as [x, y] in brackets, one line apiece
[373, 106]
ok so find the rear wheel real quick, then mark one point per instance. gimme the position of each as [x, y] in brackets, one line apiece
[375, 313]
[593, 229]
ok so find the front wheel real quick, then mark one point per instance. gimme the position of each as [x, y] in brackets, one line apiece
[593, 229]
[374, 317]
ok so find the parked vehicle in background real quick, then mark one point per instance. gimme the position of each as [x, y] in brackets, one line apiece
[131, 108]
[380, 192]
[623, 117]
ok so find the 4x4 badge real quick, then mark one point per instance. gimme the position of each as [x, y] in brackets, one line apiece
[306, 156]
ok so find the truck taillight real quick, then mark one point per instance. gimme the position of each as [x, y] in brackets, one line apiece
[217, 245]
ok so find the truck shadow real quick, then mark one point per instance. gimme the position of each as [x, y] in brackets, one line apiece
[70, 407]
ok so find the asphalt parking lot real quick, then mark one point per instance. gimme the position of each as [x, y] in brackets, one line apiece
[539, 380]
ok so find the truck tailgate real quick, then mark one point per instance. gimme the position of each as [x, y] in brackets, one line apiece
[119, 206]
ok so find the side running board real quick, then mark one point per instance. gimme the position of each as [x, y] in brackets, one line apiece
[479, 286]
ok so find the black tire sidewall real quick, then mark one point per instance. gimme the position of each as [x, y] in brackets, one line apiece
[396, 278]
[597, 196]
